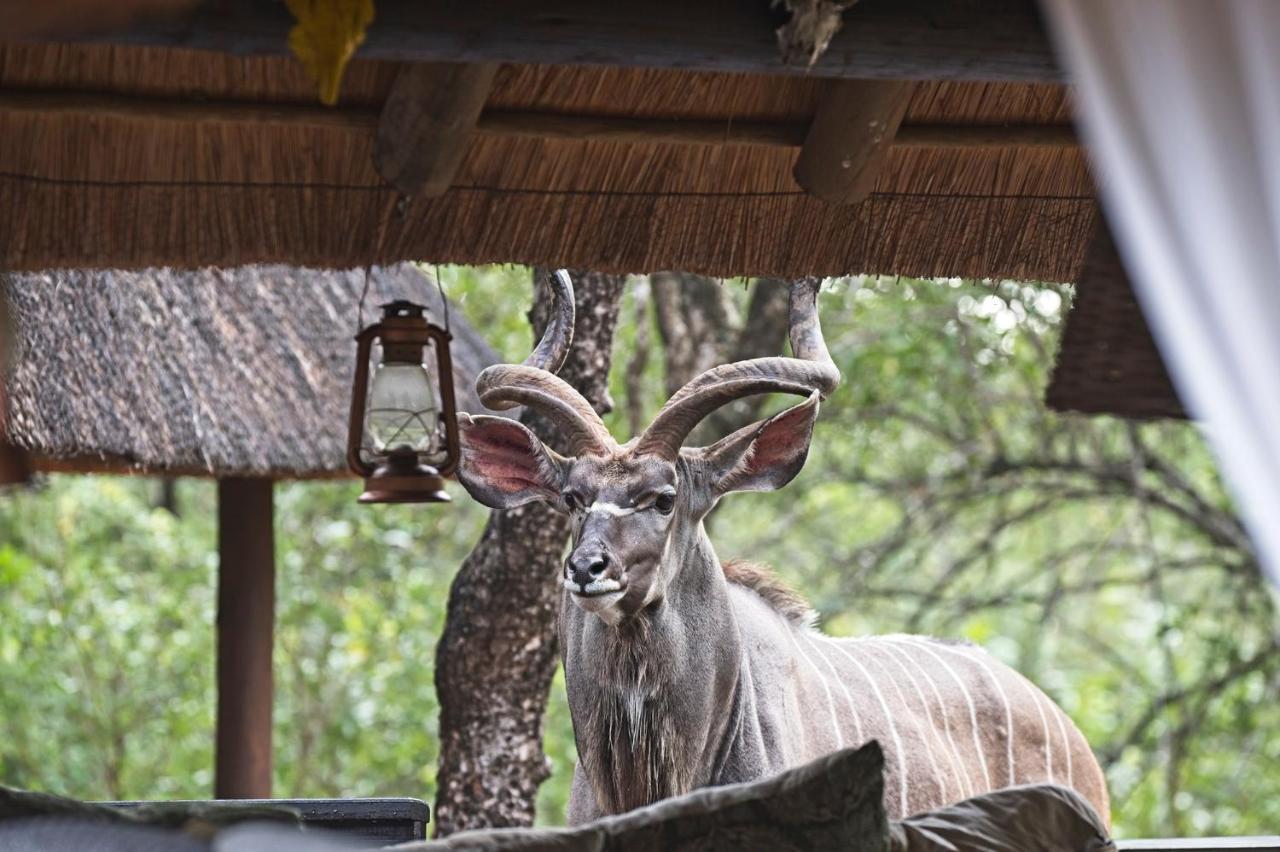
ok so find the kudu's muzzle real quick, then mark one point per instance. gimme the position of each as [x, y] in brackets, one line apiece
[591, 570]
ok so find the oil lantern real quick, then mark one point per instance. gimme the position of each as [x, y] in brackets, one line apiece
[403, 432]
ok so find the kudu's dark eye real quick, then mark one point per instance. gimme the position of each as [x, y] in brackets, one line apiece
[665, 502]
[572, 501]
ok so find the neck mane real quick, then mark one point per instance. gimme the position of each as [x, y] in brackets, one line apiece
[782, 598]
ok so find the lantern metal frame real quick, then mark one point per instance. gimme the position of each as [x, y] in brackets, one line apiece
[401, 475]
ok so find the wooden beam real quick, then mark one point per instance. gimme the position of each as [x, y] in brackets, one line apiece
[108, 465]
[986, 136]
[849, 139]
[427, 122]
[522, 123]
[15, 464]
[676, 131]
[770, 134]
[56, 103]
[881, 39]
[246, 616]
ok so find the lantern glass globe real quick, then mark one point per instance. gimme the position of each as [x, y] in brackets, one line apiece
[403, 410]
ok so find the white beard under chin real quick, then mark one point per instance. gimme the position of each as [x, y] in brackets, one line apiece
[604, 607]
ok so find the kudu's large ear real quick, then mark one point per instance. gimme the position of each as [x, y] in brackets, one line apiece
[766, 455]
[504, 465]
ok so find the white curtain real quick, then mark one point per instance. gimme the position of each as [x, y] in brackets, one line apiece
[1180, 106]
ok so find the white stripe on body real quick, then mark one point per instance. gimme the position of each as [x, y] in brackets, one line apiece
[1008, 708]
[787, 628]
[973, 713]
[893, 729]
[1044, 725]
[853, 707]
[753, 710]
[1059, 713]
[962, 778]
[933, 760]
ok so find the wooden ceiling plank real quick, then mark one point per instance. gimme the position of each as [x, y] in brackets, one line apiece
[427, 122]
[856, 123]
[881, 39]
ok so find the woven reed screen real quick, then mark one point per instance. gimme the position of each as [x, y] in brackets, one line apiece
[1108, 362]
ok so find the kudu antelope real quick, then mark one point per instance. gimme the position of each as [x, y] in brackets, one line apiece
[683, 672]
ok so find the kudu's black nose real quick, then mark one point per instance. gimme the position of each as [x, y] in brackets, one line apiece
[585, 567]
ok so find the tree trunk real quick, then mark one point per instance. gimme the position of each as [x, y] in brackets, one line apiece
[701, 329]
[497, 656]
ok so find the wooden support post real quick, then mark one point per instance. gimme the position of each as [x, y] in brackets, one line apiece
[850, 137]
[427, 122]
[15, 463]
[246, 612]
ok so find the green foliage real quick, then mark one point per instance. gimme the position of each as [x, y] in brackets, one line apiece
[1100, 558]
[105, 658]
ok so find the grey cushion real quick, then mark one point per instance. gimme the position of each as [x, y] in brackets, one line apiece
[832, 803]
[1034, 818]
[78, 834]
[835, 802]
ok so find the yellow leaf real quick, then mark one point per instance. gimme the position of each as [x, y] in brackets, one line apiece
[325, 38]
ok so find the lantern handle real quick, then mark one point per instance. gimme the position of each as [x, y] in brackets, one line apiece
[444, 301]
[359, 392]
[449, 403]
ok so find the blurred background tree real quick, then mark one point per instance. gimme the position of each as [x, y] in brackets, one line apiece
[1100, 557]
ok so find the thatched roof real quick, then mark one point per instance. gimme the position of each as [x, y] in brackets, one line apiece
[130, 156]
[144, 152]
[218, 371]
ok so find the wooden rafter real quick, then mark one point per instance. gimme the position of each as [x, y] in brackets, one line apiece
[849, 139]
[105, 465]
[426, 124]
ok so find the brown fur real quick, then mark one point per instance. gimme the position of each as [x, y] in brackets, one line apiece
[761, 580]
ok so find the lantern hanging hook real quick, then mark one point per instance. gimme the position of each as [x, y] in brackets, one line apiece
[364, 291]
[444, 300]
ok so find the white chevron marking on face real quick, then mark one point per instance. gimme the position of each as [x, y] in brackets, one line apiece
[611, 509]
